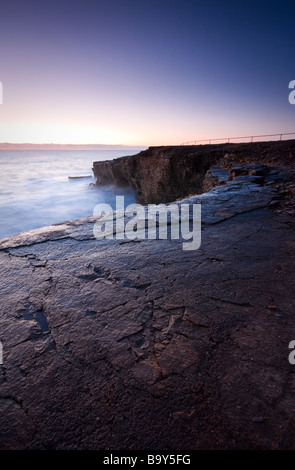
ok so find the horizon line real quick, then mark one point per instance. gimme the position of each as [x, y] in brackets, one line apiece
[4, 145]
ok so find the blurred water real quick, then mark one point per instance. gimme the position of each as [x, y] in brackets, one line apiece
[35, 189]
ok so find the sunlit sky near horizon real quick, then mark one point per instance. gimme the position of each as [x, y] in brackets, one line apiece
[140, 72]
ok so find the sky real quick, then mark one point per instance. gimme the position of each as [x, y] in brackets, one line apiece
[145, 72]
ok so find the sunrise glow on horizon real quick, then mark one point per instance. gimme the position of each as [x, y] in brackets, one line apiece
[144, 73]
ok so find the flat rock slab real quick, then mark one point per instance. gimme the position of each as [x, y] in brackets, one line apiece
[120, 344]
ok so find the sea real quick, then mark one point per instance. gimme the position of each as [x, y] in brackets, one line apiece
[40, 188]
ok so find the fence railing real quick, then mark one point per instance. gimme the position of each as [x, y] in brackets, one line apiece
[250, 138]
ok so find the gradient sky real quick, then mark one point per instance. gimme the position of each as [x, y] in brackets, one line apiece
[145, 72]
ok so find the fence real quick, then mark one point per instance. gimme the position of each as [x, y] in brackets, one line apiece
[229, 139]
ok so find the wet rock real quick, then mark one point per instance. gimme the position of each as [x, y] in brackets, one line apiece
[252, 169]
[164, 174]
[215, 177]
[179, 343]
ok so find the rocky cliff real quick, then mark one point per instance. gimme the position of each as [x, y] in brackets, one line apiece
[138, 344]
[164, 174]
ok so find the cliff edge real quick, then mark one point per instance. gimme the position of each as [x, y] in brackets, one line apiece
[164, 174]
[138, 344]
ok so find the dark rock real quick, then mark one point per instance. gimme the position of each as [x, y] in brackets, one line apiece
[254, 169]
[110, 345]
[251, 178]
[164, 174]
[159, 174]
[215, 177]
[258, 419]
[130, 345]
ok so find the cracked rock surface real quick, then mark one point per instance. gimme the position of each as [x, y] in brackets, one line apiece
[121, 344]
